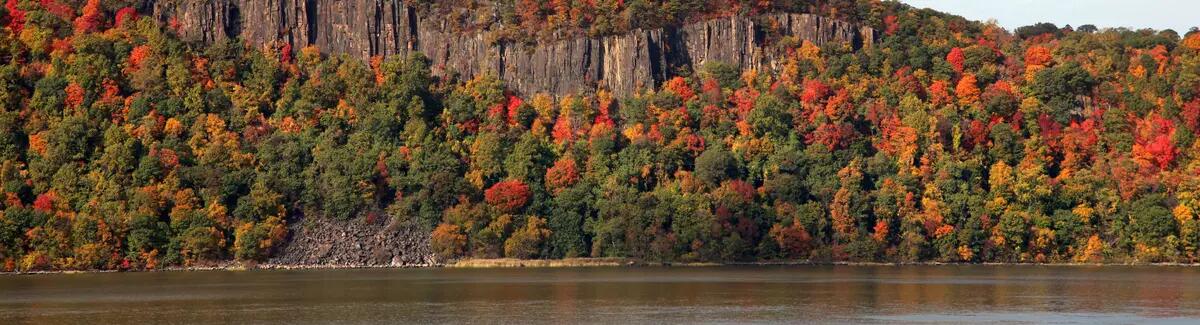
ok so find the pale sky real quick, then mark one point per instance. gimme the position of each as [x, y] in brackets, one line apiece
[1180, 15]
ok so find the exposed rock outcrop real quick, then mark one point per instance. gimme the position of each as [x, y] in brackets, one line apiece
[622, 63]
[355, 243]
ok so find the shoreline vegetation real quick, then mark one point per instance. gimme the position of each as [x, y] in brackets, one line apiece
[513, 263]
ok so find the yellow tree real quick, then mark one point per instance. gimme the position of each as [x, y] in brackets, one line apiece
[844, 223]
[1032, 184]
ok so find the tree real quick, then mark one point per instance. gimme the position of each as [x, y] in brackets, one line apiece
[16, 16]
[1038, 29]
[91, 18]
[125, 15]
[563, 174]
[1154, 145]
[680, 87]
[1060, 87]
[1038, 55]
[448, 241]
[569, 212]
[967, 90]
[814, 90]
[256, 240]
[716, 165]
[841, 210]
[1150, 222]
[526, 242]
[793, 240]
[956, 58]
[507, 196]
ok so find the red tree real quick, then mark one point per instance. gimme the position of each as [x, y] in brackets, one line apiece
[138, 55]
[814, 90]
[45, 202]
[881, 231]
[62, 46]
[832, 135]
[514, 108]
[1051, 132]
[1191, 115]
[939, 92]
[125, 15]
[710, 89]
[75, 95]
[956, 58]
[531, 13]
[91, 18]
[977, 133]
[61, 10]
[1154, 145]
[793, 239]
[285, 53]
[16, 16]
[1079, 142]
[563, 130]
[603, 117]
[508, 196]
[680, 87]
[744, 100]
[564, 173]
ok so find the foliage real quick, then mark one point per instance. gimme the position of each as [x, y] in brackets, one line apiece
[507, 196]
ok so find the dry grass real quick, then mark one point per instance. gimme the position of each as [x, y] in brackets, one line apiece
[569, 262]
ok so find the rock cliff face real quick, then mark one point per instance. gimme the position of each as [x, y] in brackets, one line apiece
[621, 63]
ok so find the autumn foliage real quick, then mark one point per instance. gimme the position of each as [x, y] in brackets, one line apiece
[564, 173]
[16, 16]
[125, 16]
[956, 58]
[1154, 146]
[793, 239]
[45, 202]
[91, 18]
[966, 90]
[508, 196]
[448, 241]
[1037, 55]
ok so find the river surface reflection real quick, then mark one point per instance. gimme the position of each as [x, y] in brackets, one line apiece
[726, 294]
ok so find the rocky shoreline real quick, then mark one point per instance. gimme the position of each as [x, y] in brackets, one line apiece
[361, 242]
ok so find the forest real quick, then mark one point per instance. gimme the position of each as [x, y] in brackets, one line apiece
[948, 140]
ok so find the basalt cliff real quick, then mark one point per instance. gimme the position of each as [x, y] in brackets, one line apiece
[620, 63]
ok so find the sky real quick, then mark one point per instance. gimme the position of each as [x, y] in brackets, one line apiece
[1180, 15]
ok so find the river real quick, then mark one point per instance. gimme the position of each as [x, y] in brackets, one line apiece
[614, 295]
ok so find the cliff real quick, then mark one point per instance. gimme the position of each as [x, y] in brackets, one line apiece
[621, 63]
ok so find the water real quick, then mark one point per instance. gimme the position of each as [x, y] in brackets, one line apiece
[761, 294]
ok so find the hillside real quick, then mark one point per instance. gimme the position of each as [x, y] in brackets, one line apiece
[685, 131]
